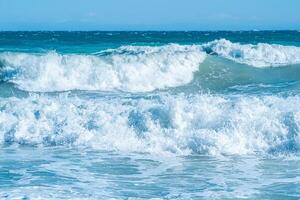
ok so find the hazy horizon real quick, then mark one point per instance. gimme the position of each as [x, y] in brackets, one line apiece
[155, 15]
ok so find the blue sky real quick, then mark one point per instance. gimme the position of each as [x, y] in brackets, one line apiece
[149, 14]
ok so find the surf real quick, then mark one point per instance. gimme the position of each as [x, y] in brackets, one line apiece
[163, 124]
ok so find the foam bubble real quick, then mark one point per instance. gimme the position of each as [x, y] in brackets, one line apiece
[260, 55]
[180, 125]
[129, 68]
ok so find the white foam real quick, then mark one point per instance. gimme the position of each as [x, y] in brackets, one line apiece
[177, 125]
[129, 68]
[260, 55]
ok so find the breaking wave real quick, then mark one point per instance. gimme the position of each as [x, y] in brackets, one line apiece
[181, 125]
[133, 69]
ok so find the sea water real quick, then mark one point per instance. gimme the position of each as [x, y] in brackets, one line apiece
[150, 115]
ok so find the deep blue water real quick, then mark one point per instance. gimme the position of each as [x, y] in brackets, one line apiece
[141, 115]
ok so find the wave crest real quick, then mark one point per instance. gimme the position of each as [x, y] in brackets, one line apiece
[260, 55]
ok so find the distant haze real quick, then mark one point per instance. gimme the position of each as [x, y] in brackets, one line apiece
[149, 14]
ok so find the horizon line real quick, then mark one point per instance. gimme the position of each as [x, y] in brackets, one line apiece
[220, 30]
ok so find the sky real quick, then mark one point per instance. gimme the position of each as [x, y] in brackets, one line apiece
[149, 14]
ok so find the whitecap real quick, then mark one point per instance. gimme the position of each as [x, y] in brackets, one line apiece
[260, 55]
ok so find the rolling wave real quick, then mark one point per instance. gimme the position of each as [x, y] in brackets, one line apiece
[139, 68]
[133, 69]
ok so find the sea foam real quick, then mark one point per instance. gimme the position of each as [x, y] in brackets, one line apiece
[180, 125]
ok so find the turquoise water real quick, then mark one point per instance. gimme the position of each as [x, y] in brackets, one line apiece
[141, 115]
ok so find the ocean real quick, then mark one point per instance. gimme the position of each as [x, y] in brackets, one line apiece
[150, 115]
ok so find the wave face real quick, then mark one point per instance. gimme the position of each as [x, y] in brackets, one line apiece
[180, 125]
[128, 68]
[260, 55]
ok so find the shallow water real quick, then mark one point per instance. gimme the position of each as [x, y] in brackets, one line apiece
[67, 173]
[141, 115]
